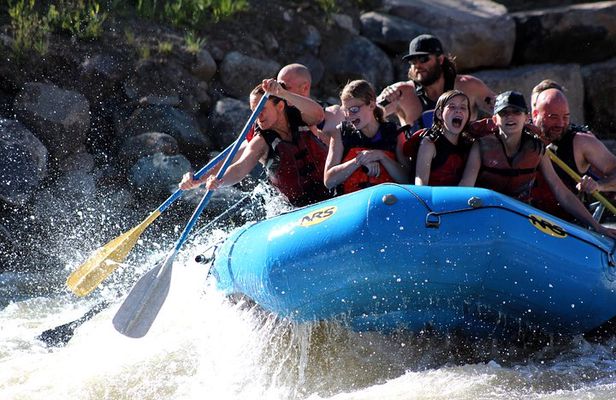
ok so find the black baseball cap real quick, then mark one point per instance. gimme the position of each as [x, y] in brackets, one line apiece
[424, 45]
[510, 98]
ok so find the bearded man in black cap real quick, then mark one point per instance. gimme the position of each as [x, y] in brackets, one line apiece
[431, 74]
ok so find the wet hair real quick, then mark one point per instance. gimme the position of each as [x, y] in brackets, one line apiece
[438, 124]
[363, 90]
[259, 91]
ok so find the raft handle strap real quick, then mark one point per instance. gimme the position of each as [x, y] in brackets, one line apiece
[433, 220]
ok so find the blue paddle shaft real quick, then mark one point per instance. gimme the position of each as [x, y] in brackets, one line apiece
[221, 172]
[178, 193]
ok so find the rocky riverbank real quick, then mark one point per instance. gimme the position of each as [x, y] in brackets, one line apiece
[119, 119]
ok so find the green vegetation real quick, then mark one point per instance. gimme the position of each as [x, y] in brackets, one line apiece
[190, 13]
[32, 22]
[83, 19]
[192, 43]
[30, 30]
[165, 47]
[329, 7]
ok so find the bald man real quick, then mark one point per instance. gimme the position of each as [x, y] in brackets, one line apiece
[576, 146]
[297, 79]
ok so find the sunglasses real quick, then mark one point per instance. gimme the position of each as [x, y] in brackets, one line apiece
[422, 59]
[353, 109]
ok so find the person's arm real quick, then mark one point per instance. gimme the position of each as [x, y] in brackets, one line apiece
[336, 173]
[403, 101]
[425, 154]
[396, 170]
[188, 180]
[256, 150]
[595, 154]
[567, 199]
[473, 164]
[481, 96]
[312, 112]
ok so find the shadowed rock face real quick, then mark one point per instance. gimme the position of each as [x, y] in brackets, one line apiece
[23, 162]
[60, 118]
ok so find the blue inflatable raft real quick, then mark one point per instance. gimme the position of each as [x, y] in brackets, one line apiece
[410, 257]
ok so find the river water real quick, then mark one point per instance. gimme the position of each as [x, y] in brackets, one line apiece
[201, 346]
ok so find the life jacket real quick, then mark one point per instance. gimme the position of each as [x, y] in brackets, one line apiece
[511, 176]
[296, 167]
[542, 196]
[428, 105]
[448, 164]
[355, 142]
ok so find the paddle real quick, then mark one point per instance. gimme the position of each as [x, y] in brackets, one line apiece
[106, 259]
[576, 177]
[140, 308]
[60, 335]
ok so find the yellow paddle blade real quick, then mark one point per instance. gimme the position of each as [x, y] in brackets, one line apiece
[106, 259]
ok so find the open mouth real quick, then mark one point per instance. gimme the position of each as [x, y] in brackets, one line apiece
[456, 122]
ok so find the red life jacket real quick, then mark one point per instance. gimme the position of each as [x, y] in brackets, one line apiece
[447, 165]
[296, 168]
[360, 179]
[513, 177]
[355, 142]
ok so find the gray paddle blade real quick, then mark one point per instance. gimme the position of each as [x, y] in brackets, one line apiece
[140, 308]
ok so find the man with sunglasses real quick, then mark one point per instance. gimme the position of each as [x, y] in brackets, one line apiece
[431, 74]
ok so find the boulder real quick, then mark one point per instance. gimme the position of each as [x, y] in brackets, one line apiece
[359, 58]
[158, 175]
[101, 75]
[59, 118]
[227, 119]
[204, 67]
[390, 32]
[167, 82]
[23, 163]
[479, 33]
[523, 79]
[167, 119]
[239, 73]
[146, 144]
[582, 33]
[600, 96]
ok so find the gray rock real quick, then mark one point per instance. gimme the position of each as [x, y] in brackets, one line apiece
[100, 76]
[59, 118]
[158, 175]
[359, 58]
[345, 22]
[479, 33]
[240, 73]
[316, 67]
[165, 79]
[582, 33]
[170, 120]
[147, 144]
[23, 163]
[391, 32]
[523, 79]
[81, 160]
[227, 119]
[312, 39]
[600, 95]
[204, 67]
